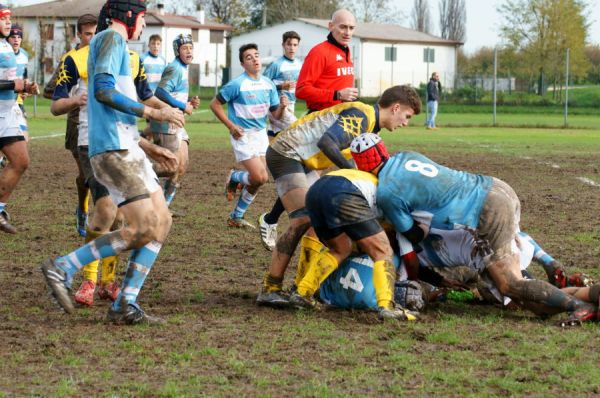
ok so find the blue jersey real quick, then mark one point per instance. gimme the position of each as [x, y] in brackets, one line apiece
[351, 284]
[249, 101]
[22, 61]
[175, 83]
[110, 129]
[8, 71]
[154, 67]
[284, 69]
[410, 182]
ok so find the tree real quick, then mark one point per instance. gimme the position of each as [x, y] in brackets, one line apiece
[453, 19]
[382, 11]
[421, 19]
[592, 53]
[233, 12]
[541, 31]
[278, 11]
[179, 7]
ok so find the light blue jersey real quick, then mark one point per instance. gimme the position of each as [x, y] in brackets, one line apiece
[410, 182]
[110, 129]
[175, 82]
[22, 61]
[351, 284]
[284, 69]
[154, 67]
[249, 100]
[8, 71]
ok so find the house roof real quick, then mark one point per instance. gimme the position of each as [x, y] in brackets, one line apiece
[387, 32]
[76, 8]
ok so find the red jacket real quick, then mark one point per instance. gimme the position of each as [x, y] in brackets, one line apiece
[327, 68]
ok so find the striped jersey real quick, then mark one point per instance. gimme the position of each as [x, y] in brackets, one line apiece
[175, 82]
[284, 69]
[22, 61]
[154, 67]
[8, 71]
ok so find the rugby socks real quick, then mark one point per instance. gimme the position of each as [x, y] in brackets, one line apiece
[170, 189]
[323, 266]
[309, 253]
[2, 207]
[384, 276]
[240, 176]
[272, 284]
[107, 245]
[90, 271]
[275, 213]
[243, 203]
[109, 270]
[543, 258]
[140, 264]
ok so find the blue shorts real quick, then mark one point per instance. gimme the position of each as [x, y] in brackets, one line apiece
[337, 206]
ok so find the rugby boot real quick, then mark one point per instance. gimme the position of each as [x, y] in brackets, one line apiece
[239, 223]
[132, 314]
[268, 233]
[231, 187]
[3, 162]
[85, 294]
[82, 219]
[5, 224]
[59, 287]
[301, 302]
[274, 298]
[587, 313]
[397, 313]
[109, 291]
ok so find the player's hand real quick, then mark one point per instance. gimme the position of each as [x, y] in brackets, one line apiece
[31, 88]
[195, 102]
[19, 85]
[164, 157]
[81, 100]
[168, 114]
[189, 109]
[284, 101]
[288, 85]
[236, 132]
[348, 94]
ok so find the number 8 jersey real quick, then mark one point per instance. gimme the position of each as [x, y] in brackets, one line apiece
[410, 182]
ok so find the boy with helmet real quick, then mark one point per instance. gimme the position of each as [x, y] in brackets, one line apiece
[118, 162]
[451, 199]
[15, 39]
[318, 141]
[173, 89]
[12, 140]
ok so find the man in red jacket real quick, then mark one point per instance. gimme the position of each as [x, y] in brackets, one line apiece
[327, 75]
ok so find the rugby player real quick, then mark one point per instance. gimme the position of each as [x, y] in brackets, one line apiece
[118, 162]
[154, 63]
[15, 39]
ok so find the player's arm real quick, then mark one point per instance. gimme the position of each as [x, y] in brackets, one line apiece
[216, 106]
[339, 136]
[62, 102]
[144, 92]
[278, 104]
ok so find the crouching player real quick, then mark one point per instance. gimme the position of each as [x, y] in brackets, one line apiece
[342, 210]
[174, 90]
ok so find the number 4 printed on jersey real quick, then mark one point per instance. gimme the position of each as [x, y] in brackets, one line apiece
[352, 281]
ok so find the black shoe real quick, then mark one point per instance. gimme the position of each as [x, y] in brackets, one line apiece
[132, 314]
[277, 299]
[5, 224]
[57, 284]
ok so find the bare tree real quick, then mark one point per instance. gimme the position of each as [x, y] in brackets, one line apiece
[421, 18]
[284, 10]
[382, 11]
[453, 20]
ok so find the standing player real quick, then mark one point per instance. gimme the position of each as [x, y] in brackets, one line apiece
[15, 39]
[154, 63]
[318, 141]
[173, 89]
[451, 199]
[85, 31]
[284, 72]
[118, 162]
[249, 98]
[12, 140]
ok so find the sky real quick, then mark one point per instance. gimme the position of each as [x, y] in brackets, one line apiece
[483, 20]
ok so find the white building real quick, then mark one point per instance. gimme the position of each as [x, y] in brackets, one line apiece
[384, 55]
[51, 30]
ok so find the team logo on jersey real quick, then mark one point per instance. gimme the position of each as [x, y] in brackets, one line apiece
[63, 75]
[338, 57]
[345, 71]
[352, 125]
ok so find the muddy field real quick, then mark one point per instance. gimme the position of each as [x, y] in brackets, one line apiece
[218, 343]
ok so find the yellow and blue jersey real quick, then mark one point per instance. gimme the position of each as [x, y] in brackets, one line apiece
[342, 122]
[410, 182]
[284, 69]
[365, 182]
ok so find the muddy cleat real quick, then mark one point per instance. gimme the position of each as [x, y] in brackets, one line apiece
[301, 302]
[398, 313]
[132, 314]
[3, 162]
[588, 313]
[239, 223]
[5, 224]
[85, 293]
[58, 285]
[268, 233]
[231, 187]
[82, 219]
[109, 291]
[277, 299]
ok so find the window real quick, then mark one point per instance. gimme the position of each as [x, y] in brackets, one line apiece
[391, 54]
[429, 54]
[47, 31]
[195, 35]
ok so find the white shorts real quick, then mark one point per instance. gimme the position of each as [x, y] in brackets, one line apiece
[10, 122]
[21, 120]
[252, 144]
[127, 174]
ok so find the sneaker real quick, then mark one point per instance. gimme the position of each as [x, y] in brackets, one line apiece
[5, 224]
[85, 293]
[277, 299]
[82, 219]
[268, 233]
[239, 223]
[587, 313]
[132, 314]
[109, 291]
[58, 285]
[3, 162]
[398, 313]
[231, 187]
[301, 302]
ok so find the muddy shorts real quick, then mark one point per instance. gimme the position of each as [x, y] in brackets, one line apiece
[252, 144]
[499, 220]
[127, 174]
[337, 206]
[71, 136]
[97, 190]
[288, 173]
